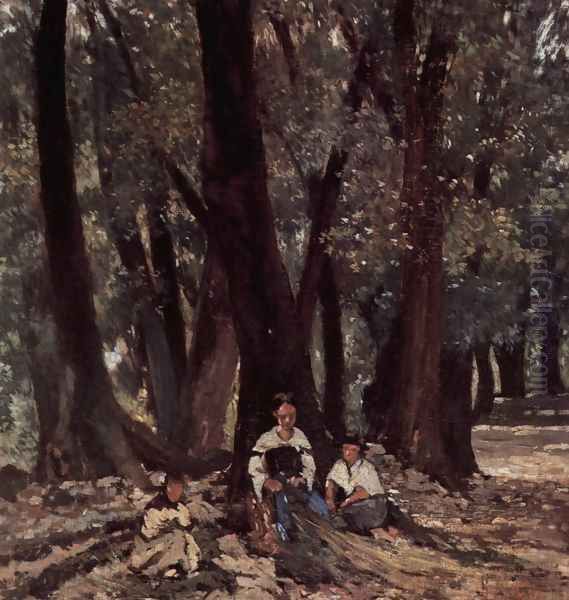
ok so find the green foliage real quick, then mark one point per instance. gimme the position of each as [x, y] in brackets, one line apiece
[505, 103]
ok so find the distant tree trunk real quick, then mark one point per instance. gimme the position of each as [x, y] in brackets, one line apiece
[207, 388]
[456, 385]
[93, 401]
[153, 352]
[490, 126]
[553, 339]
[414, 429]
[273, 352]
[380, 395]
[485, 392]
[333, 401]
[554, 380]
[510, 359]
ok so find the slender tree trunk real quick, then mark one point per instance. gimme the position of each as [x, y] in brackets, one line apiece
[164, 263]
[324, 189]
[153, 352]
[485, 393]
[334, 363]
[553, 339]
[273, 352]
[212, 364]
[93, 401]
[323, 197]
[554, 380]
[510, 359]
[456, 385]
[414, 429]
[380, 395]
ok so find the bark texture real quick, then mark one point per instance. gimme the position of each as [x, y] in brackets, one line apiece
[74, 311]
[272, 348]
[414, 429]
[212, 364]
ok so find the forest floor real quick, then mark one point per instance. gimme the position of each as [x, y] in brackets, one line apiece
[508, 537]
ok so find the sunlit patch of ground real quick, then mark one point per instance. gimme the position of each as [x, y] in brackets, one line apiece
[525, 452]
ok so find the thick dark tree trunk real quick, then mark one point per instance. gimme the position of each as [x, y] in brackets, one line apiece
[456, 385]
[414, 429]
[40, 340]
[208, 386]
[333, 401]
[93, 402]
[485, 393]
[510, 359]
[273, 352]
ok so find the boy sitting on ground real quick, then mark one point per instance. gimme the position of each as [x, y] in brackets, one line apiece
[164, 546]
[365, 506]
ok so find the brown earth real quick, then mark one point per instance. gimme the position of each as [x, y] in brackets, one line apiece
[507, 537]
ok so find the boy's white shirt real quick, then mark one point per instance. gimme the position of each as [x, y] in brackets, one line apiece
[156, 519]
[361, 474]
[270, 439]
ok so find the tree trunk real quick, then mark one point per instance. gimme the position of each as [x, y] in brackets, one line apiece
[456, 385]
[165, 273]
[324, 189]
[554, 380]
[323, 198]
[553, 339]
[39, 338]
[207, 388]
[273, 352]
[485, 392]
[74, 311]
[333, 402]
[381, 394]
[510, 359]
[153, 352]
[414, 429]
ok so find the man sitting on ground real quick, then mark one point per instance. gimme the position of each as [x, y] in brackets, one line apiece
[365, 505]
[282, 466]
[165, 546]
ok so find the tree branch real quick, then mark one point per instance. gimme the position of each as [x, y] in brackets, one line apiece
[115, 28]
[282, 31]
[192, 200]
